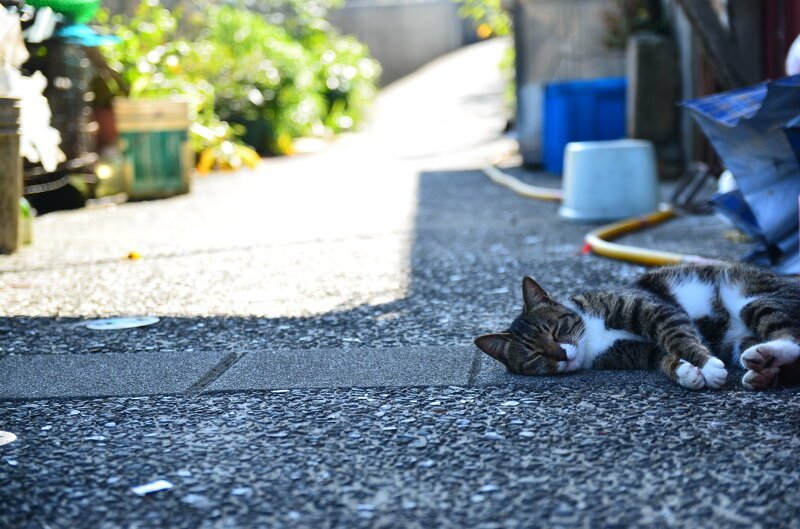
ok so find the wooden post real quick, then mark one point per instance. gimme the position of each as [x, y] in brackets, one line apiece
[10, 175]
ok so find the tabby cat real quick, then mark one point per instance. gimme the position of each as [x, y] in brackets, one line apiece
[690, 321]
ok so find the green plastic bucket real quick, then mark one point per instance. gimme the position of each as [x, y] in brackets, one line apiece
[80, 11]
[154, 139]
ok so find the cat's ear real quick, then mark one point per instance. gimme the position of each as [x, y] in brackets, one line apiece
[532, 293]
[500, 346]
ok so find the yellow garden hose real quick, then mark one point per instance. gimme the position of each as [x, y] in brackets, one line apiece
[521, 188]
[599, 239]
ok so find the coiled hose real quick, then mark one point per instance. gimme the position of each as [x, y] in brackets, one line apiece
[599, 239]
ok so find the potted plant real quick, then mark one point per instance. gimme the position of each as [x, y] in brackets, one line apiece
[164, 111]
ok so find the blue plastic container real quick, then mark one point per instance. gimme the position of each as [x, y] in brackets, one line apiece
[589, 110]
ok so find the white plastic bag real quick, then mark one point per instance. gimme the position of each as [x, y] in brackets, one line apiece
[38, 140]
[12, 47]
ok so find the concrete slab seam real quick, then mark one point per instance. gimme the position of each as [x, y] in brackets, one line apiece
[474, 369]
[214, 373]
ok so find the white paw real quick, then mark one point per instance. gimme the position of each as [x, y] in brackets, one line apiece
[714, 373]
[690, 376]
[770, 354]
[758, 380]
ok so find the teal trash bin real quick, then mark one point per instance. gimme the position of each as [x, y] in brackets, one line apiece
[154, 139]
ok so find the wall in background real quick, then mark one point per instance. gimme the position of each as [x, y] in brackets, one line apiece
[403, 34]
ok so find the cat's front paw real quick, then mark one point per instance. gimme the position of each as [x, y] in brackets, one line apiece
[770, 354]
[690, 376]
[714, 373]
[760, 380]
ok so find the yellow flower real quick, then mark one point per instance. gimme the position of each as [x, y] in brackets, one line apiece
[484, 31]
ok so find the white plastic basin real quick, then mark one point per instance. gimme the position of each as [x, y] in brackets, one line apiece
[609, 180]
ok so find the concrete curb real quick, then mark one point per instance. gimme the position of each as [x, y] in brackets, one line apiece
[27, 377]
[325, 368]
[105, 374]
[30, 377]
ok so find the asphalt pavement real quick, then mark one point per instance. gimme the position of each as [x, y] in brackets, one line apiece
[313, 365]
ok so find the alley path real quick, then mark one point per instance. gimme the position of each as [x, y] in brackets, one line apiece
[313, 364]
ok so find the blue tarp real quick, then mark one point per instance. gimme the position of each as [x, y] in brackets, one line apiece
[756, 132]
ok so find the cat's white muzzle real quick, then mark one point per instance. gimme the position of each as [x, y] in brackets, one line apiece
[572, 358]
[571, 350]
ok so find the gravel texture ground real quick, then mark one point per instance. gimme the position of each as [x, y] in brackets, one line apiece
[578, 452]
[389, 238]
[461, 261]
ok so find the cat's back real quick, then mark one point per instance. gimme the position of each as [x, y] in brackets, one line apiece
[705, 291]
[748, 279]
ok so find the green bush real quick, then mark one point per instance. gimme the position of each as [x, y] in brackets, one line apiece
[346, 74]
[262, 77]
[490, 19]
[151, 60]
[488, 15]
[272, 82]
[306, 79]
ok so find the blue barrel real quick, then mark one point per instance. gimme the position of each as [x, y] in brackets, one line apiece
[585, 110]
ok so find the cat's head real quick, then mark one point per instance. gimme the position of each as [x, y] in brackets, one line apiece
[541, 341]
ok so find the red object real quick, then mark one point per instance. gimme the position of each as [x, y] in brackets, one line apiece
[587, 249]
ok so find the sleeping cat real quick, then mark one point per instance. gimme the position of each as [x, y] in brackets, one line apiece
[690, 321]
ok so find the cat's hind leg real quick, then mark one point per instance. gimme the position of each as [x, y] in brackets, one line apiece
[775, 353]
[758, 380]
[765, 362]
[773, 350]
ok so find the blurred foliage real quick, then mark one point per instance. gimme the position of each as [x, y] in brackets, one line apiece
[266, 78]
[260, 74]
[283, 85]
[488, 15]
[347, 74]
[627, 17]
[151, 61]
[491, 19]
[297, 17]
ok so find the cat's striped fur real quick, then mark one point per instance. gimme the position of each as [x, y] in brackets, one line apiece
[689, 321]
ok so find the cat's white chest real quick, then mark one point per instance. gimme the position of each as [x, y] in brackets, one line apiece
[598, 339]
